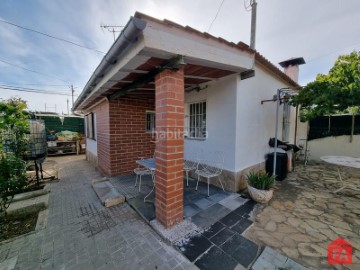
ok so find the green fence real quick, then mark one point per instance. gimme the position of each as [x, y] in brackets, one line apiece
[75, 124]
[335, 125]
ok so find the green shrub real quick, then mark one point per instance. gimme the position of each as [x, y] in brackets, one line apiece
[260, 180]
[12, 179]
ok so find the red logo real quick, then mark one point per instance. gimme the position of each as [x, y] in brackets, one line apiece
[339, 252]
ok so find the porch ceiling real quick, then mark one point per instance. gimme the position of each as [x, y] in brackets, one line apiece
[143, 66]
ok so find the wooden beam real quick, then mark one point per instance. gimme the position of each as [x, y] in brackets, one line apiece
[173, 63]
[200, 78]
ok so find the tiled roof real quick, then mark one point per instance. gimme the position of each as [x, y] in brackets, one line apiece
[259, 58]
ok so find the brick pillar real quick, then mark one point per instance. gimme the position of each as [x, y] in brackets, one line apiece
[169, 96]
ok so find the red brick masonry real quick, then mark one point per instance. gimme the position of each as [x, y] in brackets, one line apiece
[169, 96]
[121, 134]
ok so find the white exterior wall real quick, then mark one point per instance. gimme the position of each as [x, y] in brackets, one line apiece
[334, 146]
[237, 122]
[255, 122]
[220, 100]
[91, 145]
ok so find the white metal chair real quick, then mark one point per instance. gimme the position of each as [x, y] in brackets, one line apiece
[211, 169]
[189, 166]
[141, 171]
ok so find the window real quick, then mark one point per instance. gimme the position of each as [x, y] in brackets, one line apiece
[90, 126]
[197, 120]
[150, 122]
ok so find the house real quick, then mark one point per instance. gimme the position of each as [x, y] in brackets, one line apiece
[161, 76]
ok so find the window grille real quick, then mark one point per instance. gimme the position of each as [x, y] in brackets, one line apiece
[150, 121]
[197, 120]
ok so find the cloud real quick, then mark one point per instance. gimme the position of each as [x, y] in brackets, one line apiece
[317, 31]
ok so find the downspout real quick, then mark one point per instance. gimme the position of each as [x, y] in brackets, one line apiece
[127, 37]
[295, 135]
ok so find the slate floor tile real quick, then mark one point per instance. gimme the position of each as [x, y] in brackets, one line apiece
[148, 212]
[222, 236]
[214, 229]
[243, 210]
[203, 203]
[195, 247]
[231, 219]
[251, 203]
[232, 202]
[190, 210]
[216, 259]
[218, 196]
[209, 216]
[242, 225]
[241, 249]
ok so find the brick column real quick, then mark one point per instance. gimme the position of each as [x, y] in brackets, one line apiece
[169, 96]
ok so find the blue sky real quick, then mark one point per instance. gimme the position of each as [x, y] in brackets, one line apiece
[317, 30]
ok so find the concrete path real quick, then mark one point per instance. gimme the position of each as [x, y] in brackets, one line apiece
[83, 234]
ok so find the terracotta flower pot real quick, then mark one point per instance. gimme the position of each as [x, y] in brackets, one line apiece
[261, 196]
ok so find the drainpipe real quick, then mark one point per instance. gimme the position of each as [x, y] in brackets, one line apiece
[276, 129]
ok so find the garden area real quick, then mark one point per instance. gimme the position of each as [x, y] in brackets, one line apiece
[22, 154]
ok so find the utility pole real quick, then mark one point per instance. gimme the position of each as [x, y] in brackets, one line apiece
[72, 94]
[253, 5]
[111, 29]
[67, 101]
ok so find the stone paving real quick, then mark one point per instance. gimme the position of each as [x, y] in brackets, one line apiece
[304, 216]
[83, 234]
[212, 237]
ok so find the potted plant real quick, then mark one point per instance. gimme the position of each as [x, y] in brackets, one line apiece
[259, 186]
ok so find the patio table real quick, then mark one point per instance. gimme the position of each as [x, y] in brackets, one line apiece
[347, 162]
[150, 165]
[147, 163]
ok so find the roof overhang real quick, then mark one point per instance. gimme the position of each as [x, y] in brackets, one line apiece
[147, 45]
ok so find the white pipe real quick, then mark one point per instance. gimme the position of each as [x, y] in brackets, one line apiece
[276, 129]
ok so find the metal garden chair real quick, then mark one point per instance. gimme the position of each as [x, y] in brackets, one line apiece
[141, 171]
[189, 166]
[211, 169]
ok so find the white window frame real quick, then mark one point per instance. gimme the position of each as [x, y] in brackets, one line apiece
[196, 120]
[91, 126]
[150, 117]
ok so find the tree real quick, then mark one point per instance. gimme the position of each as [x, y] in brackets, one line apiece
[13, 127]
[333, 93]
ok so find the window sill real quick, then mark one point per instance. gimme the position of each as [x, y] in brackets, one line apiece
[195, 139]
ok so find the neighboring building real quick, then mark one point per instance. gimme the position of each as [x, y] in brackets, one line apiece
[161, 76]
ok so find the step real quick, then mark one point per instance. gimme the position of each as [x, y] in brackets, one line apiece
[107, 194]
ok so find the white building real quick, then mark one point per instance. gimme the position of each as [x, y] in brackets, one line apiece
[190, 82]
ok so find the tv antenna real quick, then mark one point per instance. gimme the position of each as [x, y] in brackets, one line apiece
[112, 29]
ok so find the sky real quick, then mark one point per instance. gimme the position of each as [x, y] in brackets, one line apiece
[319, 31]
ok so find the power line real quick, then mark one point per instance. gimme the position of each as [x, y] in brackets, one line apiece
[50, 36]
[30, 70]
[28, 88]
[38, 91]
[217, 13]
[39, 84]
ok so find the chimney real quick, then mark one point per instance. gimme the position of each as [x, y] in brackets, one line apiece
[291, 67]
